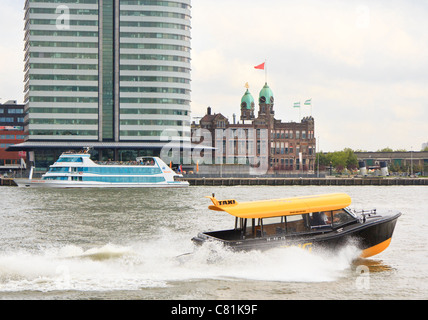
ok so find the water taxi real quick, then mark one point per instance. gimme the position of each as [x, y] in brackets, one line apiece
[77, 170]
[319, 221]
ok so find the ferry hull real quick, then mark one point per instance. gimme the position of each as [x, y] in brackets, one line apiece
[372, 237]
[73, 184]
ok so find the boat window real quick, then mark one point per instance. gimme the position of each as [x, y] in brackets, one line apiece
[59, 169]
[319, 220]
[273, 226]
[70, 159]
[124, 170]
[341, 217]
[250, 228]
[275, 220]
[296, 223]
[125, 179]
[55, 178]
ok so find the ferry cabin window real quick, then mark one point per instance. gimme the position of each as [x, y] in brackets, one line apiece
[122, 170]
[125, 179]
[55, 178]
[59, 169]
[70, 159]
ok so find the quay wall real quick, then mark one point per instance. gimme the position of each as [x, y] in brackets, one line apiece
[201, 181]
[260, 181]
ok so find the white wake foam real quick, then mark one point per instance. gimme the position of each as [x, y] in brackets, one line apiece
[155, 264]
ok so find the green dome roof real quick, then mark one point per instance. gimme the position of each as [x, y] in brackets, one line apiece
[266, 95]
[247, 101]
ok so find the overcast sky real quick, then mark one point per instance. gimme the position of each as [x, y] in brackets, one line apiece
[363, 63]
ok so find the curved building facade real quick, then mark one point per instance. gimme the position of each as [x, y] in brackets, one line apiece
[107, 70]
[154, 69]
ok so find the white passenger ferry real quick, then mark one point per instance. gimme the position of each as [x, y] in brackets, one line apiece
[77, 170]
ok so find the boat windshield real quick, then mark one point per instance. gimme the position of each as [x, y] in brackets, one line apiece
[342, 217]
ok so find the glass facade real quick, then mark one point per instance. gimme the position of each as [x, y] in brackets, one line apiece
[61, 69]
[154, 69]
[107, 70]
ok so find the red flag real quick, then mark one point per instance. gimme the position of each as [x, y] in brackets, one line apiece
[261, 66]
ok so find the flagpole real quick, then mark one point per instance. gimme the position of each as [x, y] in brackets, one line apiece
[265, 71]
[262, 67]
[297, 105]
[309, 103]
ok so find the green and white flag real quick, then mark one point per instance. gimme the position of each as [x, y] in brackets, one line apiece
[308, 102]
[297, 105]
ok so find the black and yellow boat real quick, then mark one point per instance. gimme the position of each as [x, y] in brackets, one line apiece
[308, 222]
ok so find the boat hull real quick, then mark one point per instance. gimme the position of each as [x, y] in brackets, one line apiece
[33, 183]
[371, 236]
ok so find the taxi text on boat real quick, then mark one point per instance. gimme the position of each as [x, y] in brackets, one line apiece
[309, 222]
[77, 170]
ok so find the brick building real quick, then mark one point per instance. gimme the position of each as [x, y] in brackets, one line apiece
[284, 146]
[11, 133]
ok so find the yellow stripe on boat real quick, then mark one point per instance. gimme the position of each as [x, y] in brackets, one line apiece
[369, 252]
[282, 207]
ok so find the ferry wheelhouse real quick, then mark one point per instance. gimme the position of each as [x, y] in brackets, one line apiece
[308, 222]
[76, 169]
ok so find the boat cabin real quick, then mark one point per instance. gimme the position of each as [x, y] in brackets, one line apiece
[291, 225]
[284, 217]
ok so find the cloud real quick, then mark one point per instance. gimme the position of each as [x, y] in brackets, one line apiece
[11, 52]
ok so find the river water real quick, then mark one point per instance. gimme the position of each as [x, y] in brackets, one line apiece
[124, 243]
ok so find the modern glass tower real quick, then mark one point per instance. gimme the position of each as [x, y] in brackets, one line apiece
[107, 71]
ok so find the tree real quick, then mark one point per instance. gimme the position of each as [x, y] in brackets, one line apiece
[338, 159]
[351, 159]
